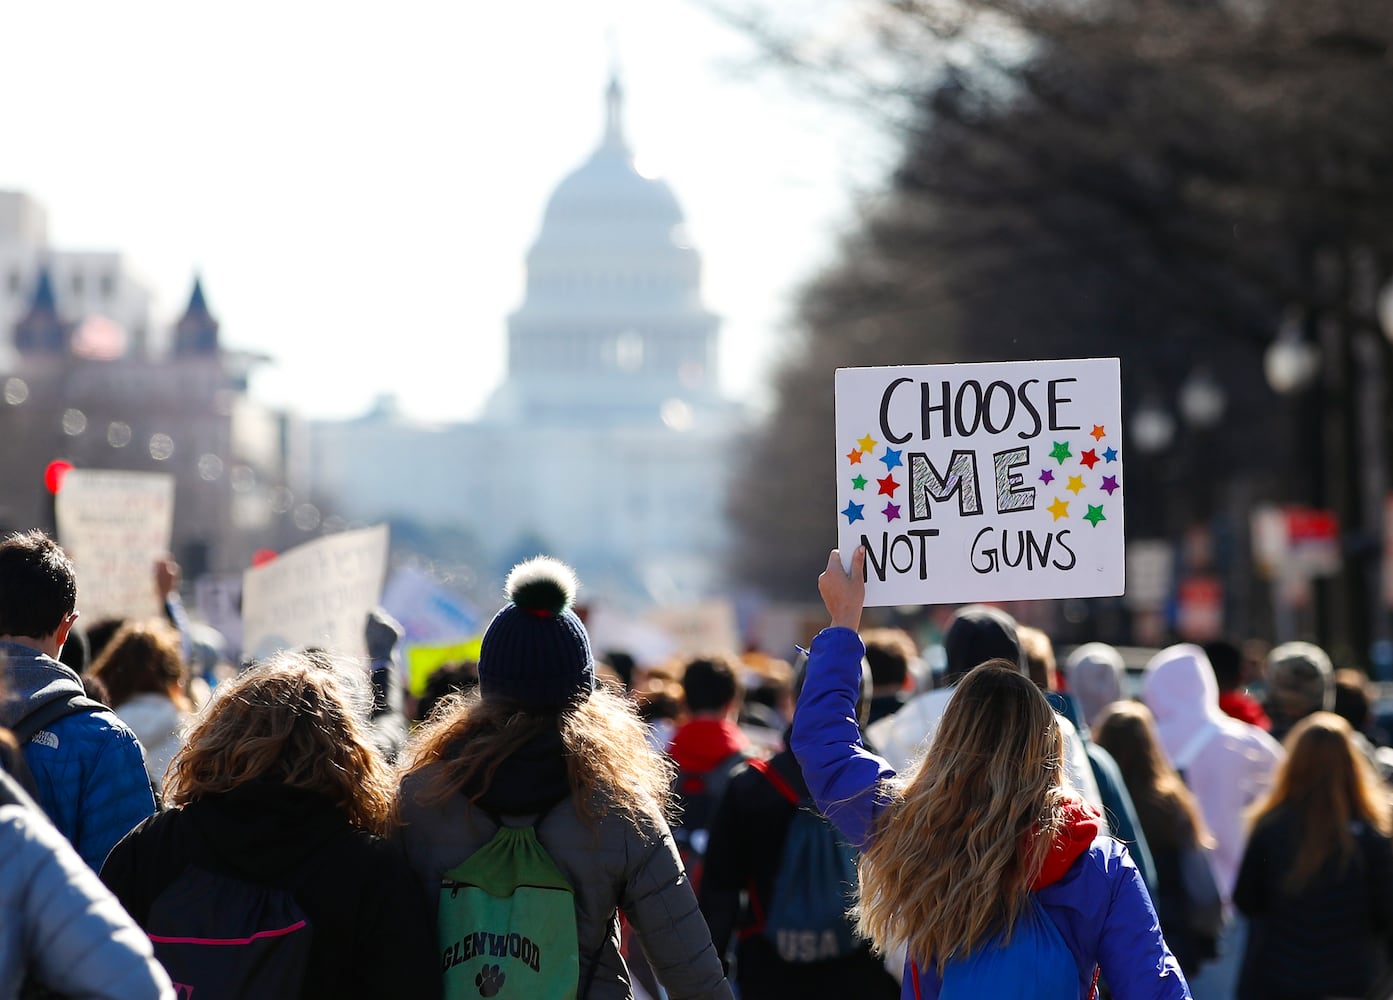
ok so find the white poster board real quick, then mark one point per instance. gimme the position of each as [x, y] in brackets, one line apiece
[317, 594]
[982, 482]
[428, 610]
[115, 526]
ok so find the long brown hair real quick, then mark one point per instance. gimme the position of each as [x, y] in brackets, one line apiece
[1329, 784]
[142, 657]
[293, 720]
[608, 758]
[966, 831]
[1166, 808]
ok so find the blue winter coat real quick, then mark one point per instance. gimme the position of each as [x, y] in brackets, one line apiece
[1100, 905]
[88, 768]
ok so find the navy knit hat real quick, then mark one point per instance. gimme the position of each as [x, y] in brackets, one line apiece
[535, 651]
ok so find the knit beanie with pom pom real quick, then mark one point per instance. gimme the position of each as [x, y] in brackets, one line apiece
[535, 652]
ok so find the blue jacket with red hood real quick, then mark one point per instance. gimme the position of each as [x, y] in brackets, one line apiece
[1089, 886]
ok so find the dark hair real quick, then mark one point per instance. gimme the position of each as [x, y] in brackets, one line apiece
[1227, 661]
[709, 683]
[37, 586]
[888, 653]
[143, 657]
[1353, 698]
[452, 678]
[99, 635]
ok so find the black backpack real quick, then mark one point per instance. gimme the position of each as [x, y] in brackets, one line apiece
[698, 794]
[220, 938]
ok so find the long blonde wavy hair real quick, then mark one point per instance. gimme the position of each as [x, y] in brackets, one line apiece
[966, 830]
[1329, 784]
[297, 720]
[608, 758]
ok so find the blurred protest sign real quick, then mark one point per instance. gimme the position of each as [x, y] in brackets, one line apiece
[114, 526]
[427, 609]
[982, 482]
[316, 594]
[218, 601]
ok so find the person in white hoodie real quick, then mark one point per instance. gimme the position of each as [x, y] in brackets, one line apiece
[143, 670]
[1227, 764]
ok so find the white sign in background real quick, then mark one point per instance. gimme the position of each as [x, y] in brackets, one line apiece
[317, 594]
[115, 526]
[982, 482]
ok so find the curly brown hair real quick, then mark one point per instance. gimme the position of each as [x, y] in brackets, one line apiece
[292, 720]
[608, 758]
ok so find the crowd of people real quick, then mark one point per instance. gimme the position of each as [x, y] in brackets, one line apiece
[547, 821]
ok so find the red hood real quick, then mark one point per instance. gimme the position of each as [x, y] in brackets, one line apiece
[1081, 824]
[701, 744]
[1244, 708]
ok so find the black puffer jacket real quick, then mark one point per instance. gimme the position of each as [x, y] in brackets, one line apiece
[373, 936]
[1330, 939]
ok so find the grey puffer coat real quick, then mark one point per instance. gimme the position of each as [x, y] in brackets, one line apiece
[616, 865]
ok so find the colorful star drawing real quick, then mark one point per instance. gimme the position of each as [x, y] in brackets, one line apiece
[1089, 458]
[1060, 508]
[1094, 515]
[891, 511]
[867, 444]
[1098, 433]
[1110, 455]
[854, 456]
[888, 486]
[1075, 484]
[1046, 476]
[1061, 451]
[858, 483]
[891, 458]
[853, 512]
[1109, 484]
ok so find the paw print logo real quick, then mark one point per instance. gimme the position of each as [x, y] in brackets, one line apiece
[489, 980]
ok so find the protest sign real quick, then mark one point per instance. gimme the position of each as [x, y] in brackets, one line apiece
[115, 526]
[318, 594]
[982, 482]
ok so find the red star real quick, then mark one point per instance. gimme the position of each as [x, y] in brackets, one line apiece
[888, 486]
[1089, 458]
[1098, 433]
[854, 456]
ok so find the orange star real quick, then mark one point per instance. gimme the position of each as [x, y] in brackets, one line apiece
[1098, 432]
[854, 456]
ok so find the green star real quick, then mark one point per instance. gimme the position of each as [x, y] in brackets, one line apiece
[1094, 515]
[1061, 451]
[859, 483]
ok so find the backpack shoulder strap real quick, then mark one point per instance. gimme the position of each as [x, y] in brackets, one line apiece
[50, 712]
[774, 778]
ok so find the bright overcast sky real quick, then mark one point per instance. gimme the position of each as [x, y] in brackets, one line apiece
[358, 184]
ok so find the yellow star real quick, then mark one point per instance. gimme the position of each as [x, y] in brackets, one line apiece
[1060, 508]
[1075, 484]
[867, 444]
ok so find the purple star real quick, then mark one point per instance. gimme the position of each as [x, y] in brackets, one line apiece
[1109, 484]
[891, 511]
[1046, 476]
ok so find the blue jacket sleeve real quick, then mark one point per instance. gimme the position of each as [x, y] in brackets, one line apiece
[846, 780]
[116, 794]
[1132, 953]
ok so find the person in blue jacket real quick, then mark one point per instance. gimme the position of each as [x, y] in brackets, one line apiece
[979, 833]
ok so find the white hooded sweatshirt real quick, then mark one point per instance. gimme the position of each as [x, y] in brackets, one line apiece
[1228, 764]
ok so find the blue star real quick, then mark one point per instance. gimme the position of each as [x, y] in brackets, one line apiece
[1110, 454]
[891, 458]
[853, 512]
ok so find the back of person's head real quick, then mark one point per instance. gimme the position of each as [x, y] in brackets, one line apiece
[1038, 652]
[143, 657]
[452, 678]
[1354, 698]
[1167, 810]
[1329, 783]
[947, 868]
[1094, 672]
[99, 633]
[537, 677]
[1300, 680]
[976, 634]
[1227, 661]
[292, 719]
[38, 588]
[710, 683]
[889, 653]
[76, 652]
